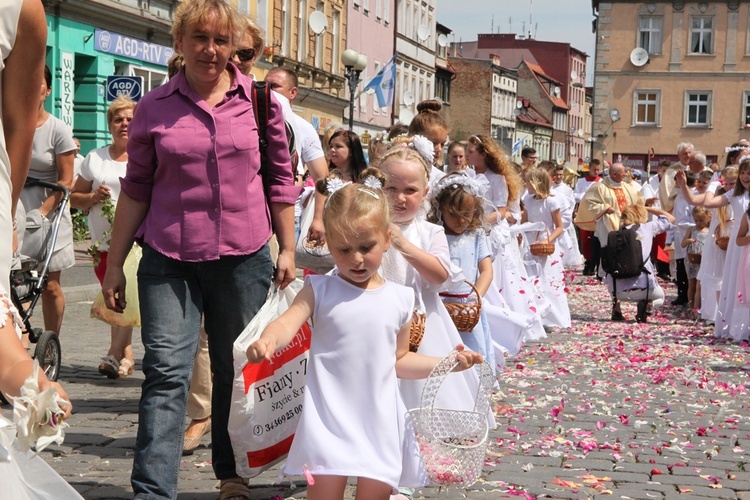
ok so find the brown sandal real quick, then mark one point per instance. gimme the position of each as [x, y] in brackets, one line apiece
[235, 488]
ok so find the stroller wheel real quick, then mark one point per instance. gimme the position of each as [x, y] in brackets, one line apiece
[48, 354]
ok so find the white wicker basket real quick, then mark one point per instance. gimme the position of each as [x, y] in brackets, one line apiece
[453, 442]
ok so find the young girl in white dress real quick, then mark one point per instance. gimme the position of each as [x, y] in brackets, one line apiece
[731, 321]
[420, 259]
[353, 420]
[541, 206]
[457, 205]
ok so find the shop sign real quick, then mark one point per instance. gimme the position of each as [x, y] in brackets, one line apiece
[129, 85]
[67, 93]
[125, 46]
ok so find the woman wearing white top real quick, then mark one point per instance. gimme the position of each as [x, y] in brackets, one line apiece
[98, 183]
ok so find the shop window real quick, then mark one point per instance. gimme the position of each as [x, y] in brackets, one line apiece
[152, 78]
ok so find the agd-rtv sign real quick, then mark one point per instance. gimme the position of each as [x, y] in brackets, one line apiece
[128, 85]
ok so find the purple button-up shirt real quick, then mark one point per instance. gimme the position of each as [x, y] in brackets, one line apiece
[198, 168]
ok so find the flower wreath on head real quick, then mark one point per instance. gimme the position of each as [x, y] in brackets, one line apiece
[424, 147]
[729, 149]
[743, 158]
[475, 185]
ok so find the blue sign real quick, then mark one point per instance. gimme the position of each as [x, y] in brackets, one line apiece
[128, 85]
[121, 45]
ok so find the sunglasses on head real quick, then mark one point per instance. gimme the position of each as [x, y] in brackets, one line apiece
[245, 55]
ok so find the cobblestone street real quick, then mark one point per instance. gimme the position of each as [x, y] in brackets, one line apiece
[618, 410]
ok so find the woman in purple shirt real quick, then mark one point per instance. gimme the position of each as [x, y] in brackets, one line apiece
[194, 196]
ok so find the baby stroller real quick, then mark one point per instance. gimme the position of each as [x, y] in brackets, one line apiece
[28, 278]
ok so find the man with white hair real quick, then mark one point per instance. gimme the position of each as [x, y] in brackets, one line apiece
[601, 207]
[667, 190]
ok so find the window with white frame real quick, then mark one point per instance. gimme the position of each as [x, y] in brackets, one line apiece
[646, 107]
[302, 31]
[365, 6]
[151, 78]
[336, 32]
[375, 104]
[697, 108]
[261, 14]
[319, 40]
[243, 7]
[379, 9]
[286, 26]
[649, 33]
[701, 35]
[746, 108]
[387, 11]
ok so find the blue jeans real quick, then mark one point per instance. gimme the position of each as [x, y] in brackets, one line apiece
[173, 296]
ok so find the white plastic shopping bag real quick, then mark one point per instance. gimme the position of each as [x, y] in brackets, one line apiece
[267, 397]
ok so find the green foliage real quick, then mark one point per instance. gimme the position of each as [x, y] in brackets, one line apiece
[108, 212]
[80, 226]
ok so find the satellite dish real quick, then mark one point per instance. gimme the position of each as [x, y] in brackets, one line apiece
[423, 32]
[519, 104]
[583, 75]
[408, 98]
[572, 150]
[614, 114]
[580, 132]
[405, 116]
[442, 40]
[318, 22]
[573, 75]
[639, 57]
[557, 91]
[572, 130]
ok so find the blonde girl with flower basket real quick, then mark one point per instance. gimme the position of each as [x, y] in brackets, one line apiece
[420, 259]
[353, 418]
[541, 206]
[457, 205]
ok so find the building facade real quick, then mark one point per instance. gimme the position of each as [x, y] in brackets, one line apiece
[87, 42]
[371, 31]
[670, 72]
[444, 73]
[315, 58]
[415, 44]
[561, 62]
[484, 100]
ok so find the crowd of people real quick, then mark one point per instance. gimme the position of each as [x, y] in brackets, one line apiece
[415, 229]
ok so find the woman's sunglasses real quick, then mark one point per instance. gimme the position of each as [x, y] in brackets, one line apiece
[245, 55]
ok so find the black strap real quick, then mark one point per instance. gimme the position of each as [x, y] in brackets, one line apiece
[261, 95]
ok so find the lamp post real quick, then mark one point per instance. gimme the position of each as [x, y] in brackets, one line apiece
[354, 62]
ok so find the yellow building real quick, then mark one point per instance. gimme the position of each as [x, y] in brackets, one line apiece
[670, 72]
[292, 43]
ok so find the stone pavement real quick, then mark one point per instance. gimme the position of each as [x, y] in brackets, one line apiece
[607, 410]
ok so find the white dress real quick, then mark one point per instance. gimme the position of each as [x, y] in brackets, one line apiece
[712, 264]
[568, 241]
[353, 421]
[440, 337]
[549, 268]
[732, 321]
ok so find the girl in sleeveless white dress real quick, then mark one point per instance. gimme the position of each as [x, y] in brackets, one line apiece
[420, 259]
[353, 418]
[731, 321]
[541, 206]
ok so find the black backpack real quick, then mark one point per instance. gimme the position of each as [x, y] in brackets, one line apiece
[261, 96]
[623, 255]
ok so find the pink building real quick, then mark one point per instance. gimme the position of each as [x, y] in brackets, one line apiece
[370, 31]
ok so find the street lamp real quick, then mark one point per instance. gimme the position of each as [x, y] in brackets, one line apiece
[354, 62]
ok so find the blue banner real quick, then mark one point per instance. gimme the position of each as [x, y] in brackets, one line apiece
[121, 45]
